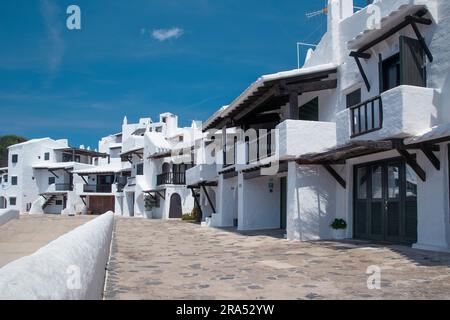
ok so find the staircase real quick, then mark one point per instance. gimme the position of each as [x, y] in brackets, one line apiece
[48, 202]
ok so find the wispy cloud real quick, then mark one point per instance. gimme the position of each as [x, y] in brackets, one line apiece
[167, 34]
[54, 27]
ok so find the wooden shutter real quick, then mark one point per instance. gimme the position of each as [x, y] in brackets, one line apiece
[412, 62]
[381, 73]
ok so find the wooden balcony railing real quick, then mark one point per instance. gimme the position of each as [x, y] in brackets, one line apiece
[177, 178]
[261, 148]
[97, 188]
[367, 116]
[63, 187]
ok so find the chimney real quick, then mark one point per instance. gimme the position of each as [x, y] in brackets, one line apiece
[338, 10]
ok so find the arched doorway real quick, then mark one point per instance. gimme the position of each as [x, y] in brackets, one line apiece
[3, 203]
[175, 210]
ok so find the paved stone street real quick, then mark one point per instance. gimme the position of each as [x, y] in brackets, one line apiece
[153, 259]
[19, 238]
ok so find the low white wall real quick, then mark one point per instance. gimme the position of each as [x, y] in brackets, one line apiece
[6, 215]
[70, 268]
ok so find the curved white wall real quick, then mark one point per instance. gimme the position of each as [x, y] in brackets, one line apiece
[70, 268]
[6, 215]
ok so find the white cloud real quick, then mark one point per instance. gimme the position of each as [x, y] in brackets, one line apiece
[53, 25]
[166, 34]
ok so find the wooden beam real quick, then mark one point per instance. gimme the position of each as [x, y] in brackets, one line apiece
[53, 173]
[292, 111]
[363, 73]
[362, 55]
[209, 199]
[311, 86]
[253, 106]
[422, 41]
[200, 218]
[336, 176]
[411, 161]
[432, 157]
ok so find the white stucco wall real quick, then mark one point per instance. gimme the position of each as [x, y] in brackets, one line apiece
[259, 205]
[7, 215]
[52, 272]
[311, 203]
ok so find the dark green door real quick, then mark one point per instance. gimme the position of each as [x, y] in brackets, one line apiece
[283, 203]
[385, 202]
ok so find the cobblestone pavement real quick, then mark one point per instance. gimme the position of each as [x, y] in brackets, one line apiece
[153, 259]
[19, 238]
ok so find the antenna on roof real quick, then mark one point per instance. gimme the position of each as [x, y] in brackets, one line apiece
[313, 14]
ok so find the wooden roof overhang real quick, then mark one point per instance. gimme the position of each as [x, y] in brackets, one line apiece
[340, 154]
[256, 171]
[3, 170]
[271, 96]
[128, 156]
[357, 149]
[410, 20]
[154, 192]
[84, 152]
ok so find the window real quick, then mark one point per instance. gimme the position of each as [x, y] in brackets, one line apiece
[354, 98]
[15, 158]
[310, 111]
[47, 156]
[14, 181]
[0, 180]
[140, 169]
[158, 129]
[181, 139]
[391, 72]
[51, 180]
[5, 179]
[59, 202]
[12, 201]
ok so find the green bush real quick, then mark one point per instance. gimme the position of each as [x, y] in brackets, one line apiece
[195, 213]
[187, 217]
[339, 224]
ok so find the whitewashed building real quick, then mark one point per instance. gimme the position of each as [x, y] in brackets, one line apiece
[145, 176]
[360, 132]
[40, 176]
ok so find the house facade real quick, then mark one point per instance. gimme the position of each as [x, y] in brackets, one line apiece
[359, 133]
[40, 176]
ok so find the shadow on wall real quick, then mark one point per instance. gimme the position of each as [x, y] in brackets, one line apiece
[315, 205]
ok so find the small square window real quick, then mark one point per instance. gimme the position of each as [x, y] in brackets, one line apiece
[59, 202]
[14, 181]
[12, 201]
[15, 158]
[354, 98]
[51, 180]
[47, 156]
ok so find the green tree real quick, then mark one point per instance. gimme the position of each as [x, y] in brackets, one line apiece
[5, 142]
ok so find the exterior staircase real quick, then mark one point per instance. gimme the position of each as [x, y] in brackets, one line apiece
[48, 202]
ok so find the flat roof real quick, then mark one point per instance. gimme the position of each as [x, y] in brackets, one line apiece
[84, 152]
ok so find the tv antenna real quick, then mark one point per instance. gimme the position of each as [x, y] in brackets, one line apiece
[317, 13]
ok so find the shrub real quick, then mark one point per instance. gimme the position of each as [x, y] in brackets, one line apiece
[187, 217]
[339, 224]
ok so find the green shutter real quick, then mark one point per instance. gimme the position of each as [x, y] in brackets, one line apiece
[412, 63]
[310, 111]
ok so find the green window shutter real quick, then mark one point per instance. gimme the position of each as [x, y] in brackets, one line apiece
[412, 63]
[310, 111]
[381, 73]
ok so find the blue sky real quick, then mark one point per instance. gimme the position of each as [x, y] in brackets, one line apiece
[138, 58]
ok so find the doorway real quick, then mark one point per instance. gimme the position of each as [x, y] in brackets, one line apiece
[385, 202]
[175, 210]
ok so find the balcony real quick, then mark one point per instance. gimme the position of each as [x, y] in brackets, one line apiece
[261, 148]
[175, 178]
[97, 188]
[201, 173]
[401, 112]
[63, 187]
[299, 137]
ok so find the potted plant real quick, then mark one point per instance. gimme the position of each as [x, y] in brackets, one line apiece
[149, 203]
[339, 226]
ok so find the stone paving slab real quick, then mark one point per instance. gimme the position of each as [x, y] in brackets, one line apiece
[20, 238]
[154, 259]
